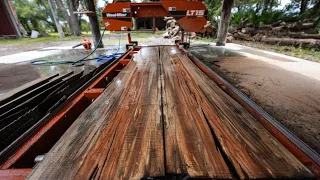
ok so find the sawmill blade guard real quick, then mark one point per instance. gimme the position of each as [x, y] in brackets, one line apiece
[190, 15]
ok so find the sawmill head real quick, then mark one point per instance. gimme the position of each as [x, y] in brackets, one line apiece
[190, 15]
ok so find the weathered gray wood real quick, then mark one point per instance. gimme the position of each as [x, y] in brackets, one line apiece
[14, 93]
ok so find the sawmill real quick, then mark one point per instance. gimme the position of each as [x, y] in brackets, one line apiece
[152, 112]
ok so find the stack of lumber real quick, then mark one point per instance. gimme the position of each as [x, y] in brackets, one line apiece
[25, 109]
[162, 117]
[172, 28]
[300, 34]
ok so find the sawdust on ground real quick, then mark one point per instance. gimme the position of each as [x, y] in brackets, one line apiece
[291, 98]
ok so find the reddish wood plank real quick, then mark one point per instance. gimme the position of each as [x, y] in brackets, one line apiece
[190, 147]
[14, 174]
[65, 159]
[131, 146]
[253, 151]
[120, 135]
[160, 116]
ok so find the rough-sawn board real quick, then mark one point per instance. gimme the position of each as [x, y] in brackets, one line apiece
[162, 116]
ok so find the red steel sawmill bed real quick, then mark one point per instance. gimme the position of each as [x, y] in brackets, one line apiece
[18, 163]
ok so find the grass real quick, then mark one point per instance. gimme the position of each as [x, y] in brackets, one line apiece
[55, 37]
[307, 54]
[206, 39]
[37, 40]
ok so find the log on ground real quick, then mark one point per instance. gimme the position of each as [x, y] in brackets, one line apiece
[304, 43]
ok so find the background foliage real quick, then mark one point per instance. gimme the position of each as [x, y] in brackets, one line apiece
[259, 12]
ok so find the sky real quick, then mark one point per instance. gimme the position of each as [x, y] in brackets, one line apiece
[284, 3]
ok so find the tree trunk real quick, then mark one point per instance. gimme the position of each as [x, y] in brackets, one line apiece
[26, 26]
[265, 5]
[303, 35]
[303, 6]
[35, 25]
[53, 25]
[94, 24]
[56, 18]
[64, 13]
[304, 43]
[75, 4]
[73, 19]
[224, 22]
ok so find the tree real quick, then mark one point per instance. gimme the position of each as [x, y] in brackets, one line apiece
[224, 22]
[71, 19]
[64, 12]
[94, 24]
[303, 6]
[214, 8]
[266, 4]
[34, 15]
[56, 18]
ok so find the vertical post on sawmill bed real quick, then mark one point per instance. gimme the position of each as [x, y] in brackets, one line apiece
[129, 38]
[154, 23]
[94, 23]
[224, 22]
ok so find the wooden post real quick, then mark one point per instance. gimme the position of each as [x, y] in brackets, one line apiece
[56, 18]
[224, 22]
[182, 36]
[94, 24]
[134, 22]
[129, 38]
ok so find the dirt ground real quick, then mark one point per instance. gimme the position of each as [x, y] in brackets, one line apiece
[291, 98]
[7, 49]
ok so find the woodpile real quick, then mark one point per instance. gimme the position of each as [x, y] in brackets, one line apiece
[299, 34]
[173, 30]
[162, 116]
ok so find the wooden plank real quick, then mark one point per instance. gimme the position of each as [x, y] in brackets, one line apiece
[64, 160]
[190, 147]
[24, 89]
[161, 115]
[9, 106]
[131, 145]
[37, 107]
[119, 135]
[252, 150]
[14, 174]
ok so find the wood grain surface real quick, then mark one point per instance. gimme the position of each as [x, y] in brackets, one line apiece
[161, 116]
